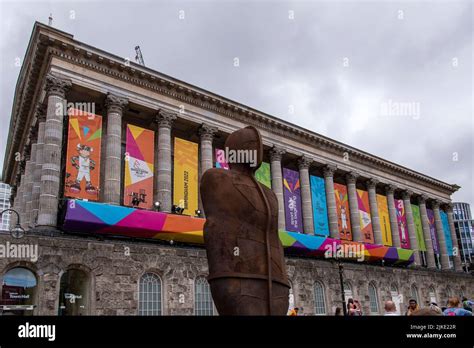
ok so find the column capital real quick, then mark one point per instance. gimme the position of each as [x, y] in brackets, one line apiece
[372, 183]
[115, 103]
[351, 177]
[57, 86]
[329, 170]
[406, 194]
[165, 119]
[422, 199]
[40, 113]
[206, 132]
[435, 204]
[276, 153]
[390, 189]
[449, 207]
[304, 162]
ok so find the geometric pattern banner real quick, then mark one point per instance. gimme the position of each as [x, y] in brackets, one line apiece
[292, 200]
[320, 208]
[108, 219]
[83, 155]
[342, 209]
[263, 175]
[402, 224]
[432, 225]
[384, 217]
[447, 232]
[139, 158]
[185, 176]
[418, 227]
[364, 216]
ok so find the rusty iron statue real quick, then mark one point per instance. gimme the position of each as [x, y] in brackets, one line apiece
[247, 273]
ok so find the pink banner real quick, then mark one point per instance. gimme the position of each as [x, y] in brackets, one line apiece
[402, 224]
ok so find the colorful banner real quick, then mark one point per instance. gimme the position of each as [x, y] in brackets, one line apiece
[82, 179]
[384, 217]
[447, 232]
[343, 214]
[364, 216]
[108, 219]
[186, 175]
[139, 158]
[320, 208]
[418, 227]
[263, 175]
[432, 224]
[402, 224]
[292, 196]
[220, 159]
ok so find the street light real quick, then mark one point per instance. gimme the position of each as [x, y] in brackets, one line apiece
[17, 231]
[341, 280]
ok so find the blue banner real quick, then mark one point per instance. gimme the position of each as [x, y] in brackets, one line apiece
[447, 232]
[320, 209]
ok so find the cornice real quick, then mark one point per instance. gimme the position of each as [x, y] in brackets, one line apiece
[86, 56]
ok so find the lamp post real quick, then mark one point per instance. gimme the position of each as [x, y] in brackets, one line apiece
[17, 231]
[341, 280]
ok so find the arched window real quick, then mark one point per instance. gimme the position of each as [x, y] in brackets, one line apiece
[449, 292]
[149, 296]
[395, 297]
[74, 293]
[19, 292]
[374, 302]
[319, 301]
[203, 304]
[432, 294]
[347, 291]
[414, 294]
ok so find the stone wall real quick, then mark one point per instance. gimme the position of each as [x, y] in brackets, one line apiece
[115, 266]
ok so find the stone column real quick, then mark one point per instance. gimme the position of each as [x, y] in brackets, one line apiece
[113, 149]
[27, 191]
[440, 234]
[303, 164]
[457, 257]
[21, 202]
[206, 133]
[374, 210]
[430, 258]
[411, 226]
[52, 151]
[351, 179]
[328, 172]
[163, 179]
[390, 189]
[276, 154]
[35, 194]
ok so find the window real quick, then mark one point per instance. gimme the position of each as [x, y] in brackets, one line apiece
[291, 298]
[74, 293]
[449, 292]
[149, 296]
[319, 302]
[432, 294]
[414, 293]
[19, 290]
[203, 304]
[395, 297]
[374, 302]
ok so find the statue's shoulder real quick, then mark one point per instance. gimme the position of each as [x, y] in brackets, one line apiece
[215, 175]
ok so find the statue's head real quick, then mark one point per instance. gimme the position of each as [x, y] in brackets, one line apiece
[245, 149]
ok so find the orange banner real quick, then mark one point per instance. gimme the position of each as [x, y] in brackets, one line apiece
[82, 178]
[139, 159]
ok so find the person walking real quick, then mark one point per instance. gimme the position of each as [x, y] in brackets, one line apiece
[390, 308]
[454, 309]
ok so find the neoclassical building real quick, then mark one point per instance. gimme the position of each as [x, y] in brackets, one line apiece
[104, 157]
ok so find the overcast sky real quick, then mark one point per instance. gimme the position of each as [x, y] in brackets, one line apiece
[339, 68]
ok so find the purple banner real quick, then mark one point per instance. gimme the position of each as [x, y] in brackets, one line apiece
[402, 224]
[292, 196]
[431, 222]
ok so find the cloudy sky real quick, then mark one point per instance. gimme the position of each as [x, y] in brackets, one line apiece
[392, 78]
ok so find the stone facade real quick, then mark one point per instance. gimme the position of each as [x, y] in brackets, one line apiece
[115, 267]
